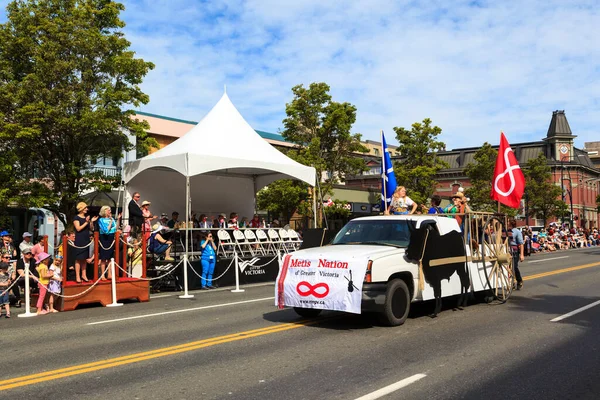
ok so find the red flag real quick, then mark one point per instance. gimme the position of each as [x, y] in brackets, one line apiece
[508, 184]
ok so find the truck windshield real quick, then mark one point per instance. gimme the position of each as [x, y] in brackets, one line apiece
[378, 231]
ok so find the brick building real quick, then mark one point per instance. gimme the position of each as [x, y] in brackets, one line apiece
[575, 170]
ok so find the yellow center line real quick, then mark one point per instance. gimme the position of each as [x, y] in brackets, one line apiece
[147, 355]
[166, 351]
[560, 271]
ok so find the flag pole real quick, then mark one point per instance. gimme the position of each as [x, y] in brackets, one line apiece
[383, 173]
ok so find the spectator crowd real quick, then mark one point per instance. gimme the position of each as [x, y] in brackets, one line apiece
[556, 237]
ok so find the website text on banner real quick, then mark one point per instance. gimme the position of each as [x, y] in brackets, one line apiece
[321, 283]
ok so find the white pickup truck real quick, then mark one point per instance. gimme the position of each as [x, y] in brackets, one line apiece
[381, 264]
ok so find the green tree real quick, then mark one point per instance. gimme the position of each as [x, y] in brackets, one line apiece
[66, 74]
[481, 175]
[282, 198]
[321, 130]
[419, 162]
[337, 210]
[544, 197]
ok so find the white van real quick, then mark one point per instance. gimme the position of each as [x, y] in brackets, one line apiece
[37, 221]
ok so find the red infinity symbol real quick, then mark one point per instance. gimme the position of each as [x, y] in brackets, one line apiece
[312, 289]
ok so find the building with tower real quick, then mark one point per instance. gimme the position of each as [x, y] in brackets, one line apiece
[572, 169]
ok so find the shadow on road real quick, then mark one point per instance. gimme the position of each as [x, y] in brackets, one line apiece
[567, 370]
[346, 321]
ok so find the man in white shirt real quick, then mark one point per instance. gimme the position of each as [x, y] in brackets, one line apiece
[26, 243]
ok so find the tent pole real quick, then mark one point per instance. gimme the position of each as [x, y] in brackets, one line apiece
[254, 184]
[123, 207]
[314, 192]
[186, 232]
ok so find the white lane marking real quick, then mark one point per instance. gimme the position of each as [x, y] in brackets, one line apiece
[392, 388]
[108, 321]
[567, 315]
[546, 259]
[161, 295]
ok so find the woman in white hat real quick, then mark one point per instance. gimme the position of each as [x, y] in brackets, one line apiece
[158, 244]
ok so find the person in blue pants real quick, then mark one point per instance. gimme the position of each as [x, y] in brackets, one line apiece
[208, 259]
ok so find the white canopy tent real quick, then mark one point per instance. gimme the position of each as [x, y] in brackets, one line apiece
[222, 162]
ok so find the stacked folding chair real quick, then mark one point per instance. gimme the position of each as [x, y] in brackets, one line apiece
[253, 242]
[294, 239]
[265, 242]
[286, 245]
[226, 245]
[276, 242]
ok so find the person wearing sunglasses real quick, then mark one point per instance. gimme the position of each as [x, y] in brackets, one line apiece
[136, 216]
[26, 259]
[7, 244]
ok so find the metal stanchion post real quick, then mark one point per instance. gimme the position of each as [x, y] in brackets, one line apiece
[28, 312]
[185, 294]
[237, 274]
[113, 285]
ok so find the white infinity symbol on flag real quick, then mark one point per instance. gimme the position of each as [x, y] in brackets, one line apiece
[508, 171]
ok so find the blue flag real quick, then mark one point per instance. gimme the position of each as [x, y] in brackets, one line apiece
[387, 175]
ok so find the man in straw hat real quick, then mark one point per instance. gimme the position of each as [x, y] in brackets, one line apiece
[459, 207]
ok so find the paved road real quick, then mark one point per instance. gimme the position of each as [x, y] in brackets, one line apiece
[206, 347]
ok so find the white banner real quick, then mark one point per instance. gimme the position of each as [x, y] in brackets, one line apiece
[323, 283]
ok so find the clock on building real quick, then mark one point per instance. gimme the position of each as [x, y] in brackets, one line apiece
[564, 150]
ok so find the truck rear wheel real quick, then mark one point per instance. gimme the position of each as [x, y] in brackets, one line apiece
[307, 312]
[397, 303]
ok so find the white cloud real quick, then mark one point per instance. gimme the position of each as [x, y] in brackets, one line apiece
[473, 67]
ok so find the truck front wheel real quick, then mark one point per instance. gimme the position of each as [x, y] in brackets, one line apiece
[307, 312]
[397, 303]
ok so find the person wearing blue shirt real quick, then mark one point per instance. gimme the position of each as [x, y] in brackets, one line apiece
[208, 260]
[108, 228]
[516, 246]
[435, 205]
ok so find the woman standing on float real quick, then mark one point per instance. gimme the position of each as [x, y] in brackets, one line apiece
[83, 225]
[400, 203]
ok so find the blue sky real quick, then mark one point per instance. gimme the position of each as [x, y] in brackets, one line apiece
[473, 67]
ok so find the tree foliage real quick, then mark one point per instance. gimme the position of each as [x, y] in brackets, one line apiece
[481, 175]
[544, 197]
[281, 198]
[321, 130]
[419, 162]
[66, 74]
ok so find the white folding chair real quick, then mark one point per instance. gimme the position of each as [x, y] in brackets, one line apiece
[226, 245]
[275, 241]
[265, 242]
[240, 242]
[285, 240]
[253, 242]
[294, 239]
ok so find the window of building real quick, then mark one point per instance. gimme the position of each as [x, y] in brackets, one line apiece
[376, 151]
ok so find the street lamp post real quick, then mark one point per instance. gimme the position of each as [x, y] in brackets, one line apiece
[569, 191]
